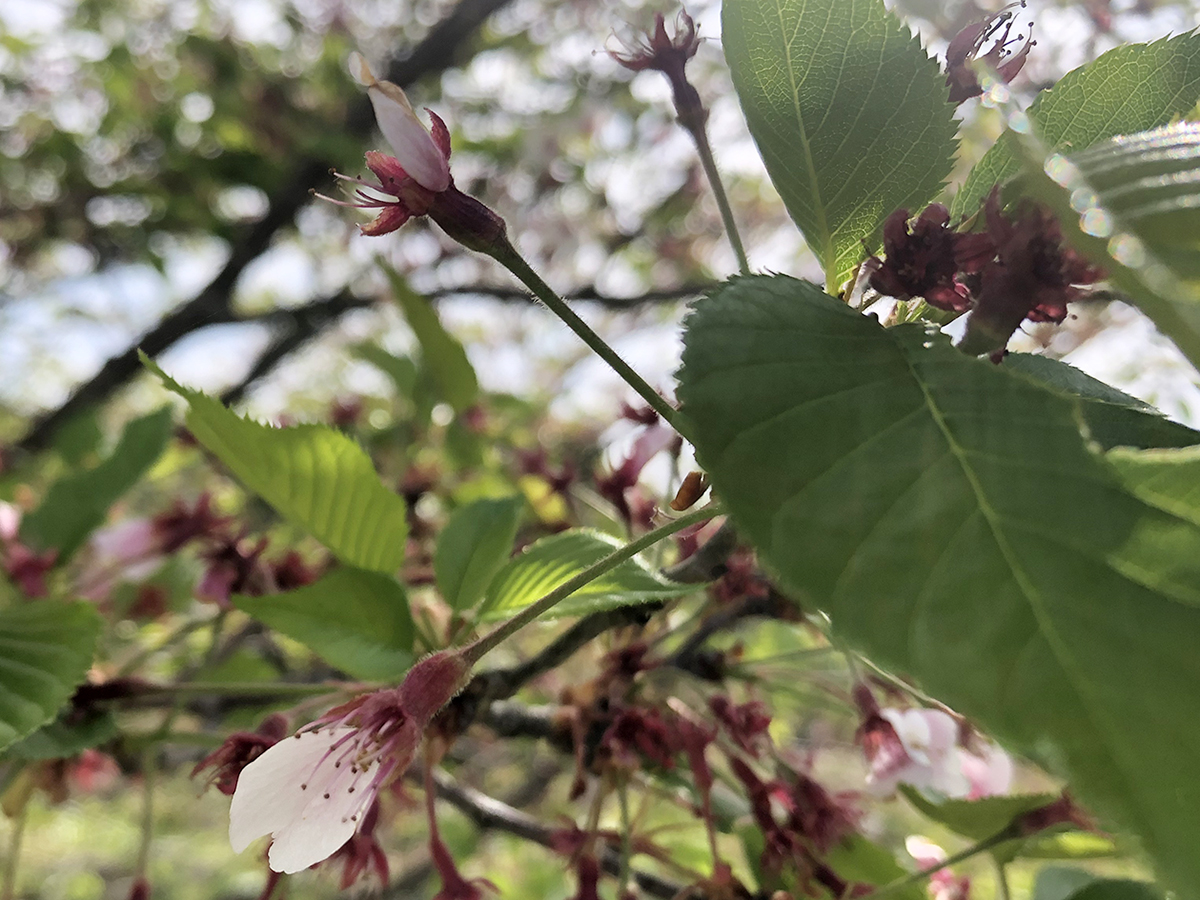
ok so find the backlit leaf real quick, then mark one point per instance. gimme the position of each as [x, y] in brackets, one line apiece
[849, 113]
[355, 620]
[547, 563]
[473, 546]
[46, 650]
[315, 476]
[1128, 89]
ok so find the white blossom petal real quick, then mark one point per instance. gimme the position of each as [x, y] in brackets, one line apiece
[335, 807]
[408, 136]
[268, 793]
[295, 793]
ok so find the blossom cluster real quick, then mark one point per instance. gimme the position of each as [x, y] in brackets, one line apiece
[1018, 268]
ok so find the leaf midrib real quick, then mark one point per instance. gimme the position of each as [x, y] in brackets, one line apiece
[809, 163]
[1046, 628]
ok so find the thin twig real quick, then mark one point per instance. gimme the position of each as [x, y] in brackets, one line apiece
[489, 813]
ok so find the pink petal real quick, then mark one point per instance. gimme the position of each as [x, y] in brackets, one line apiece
[990, 774]
[410, 139]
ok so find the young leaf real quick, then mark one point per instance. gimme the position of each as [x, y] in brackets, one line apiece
[78, 502]
[951, 520]
[1113, 418]
[849, 113]
[355, 620]
[553, 560]
[1128, 89]
[315, 476]
[473, 546]
[45, 652]
[442, 356]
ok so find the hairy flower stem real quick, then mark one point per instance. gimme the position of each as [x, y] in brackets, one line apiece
[505, 254]
[474, 652]
[704, 150]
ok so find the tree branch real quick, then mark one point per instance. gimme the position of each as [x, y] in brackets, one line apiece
[489, 813]
[213, 304]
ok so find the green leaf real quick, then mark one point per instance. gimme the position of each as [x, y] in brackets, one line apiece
[1128, 89]
[849, 113]
[547, 563]
[980, 819]
[1167, 478]
[1060, 882]
[401, 369]
[473, 546]
[78, 438]
[1162, 276]
[78, 502]
[977, 819]
[313, 475]
[1113, 418]
[442, 356]
[60, 739]
[857, 860]
[355, 620]
[46, 650]
[952, 522]
[1114, 889]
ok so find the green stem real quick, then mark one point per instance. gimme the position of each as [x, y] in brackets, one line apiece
[626, 837]
[9, 888]
[508, 257]
[700, 136]
[1005, 834]
[149, 771]
[474, 652]
[1002, 892]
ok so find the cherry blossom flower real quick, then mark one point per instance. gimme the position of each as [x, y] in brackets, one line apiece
[416, 181]
[669, 55]
[133, 549]
[924, 258]
[920, 748]
[1034, 275]
[310, 792]
[615, 486]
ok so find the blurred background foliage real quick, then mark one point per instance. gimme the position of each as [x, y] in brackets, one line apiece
[156, 159]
